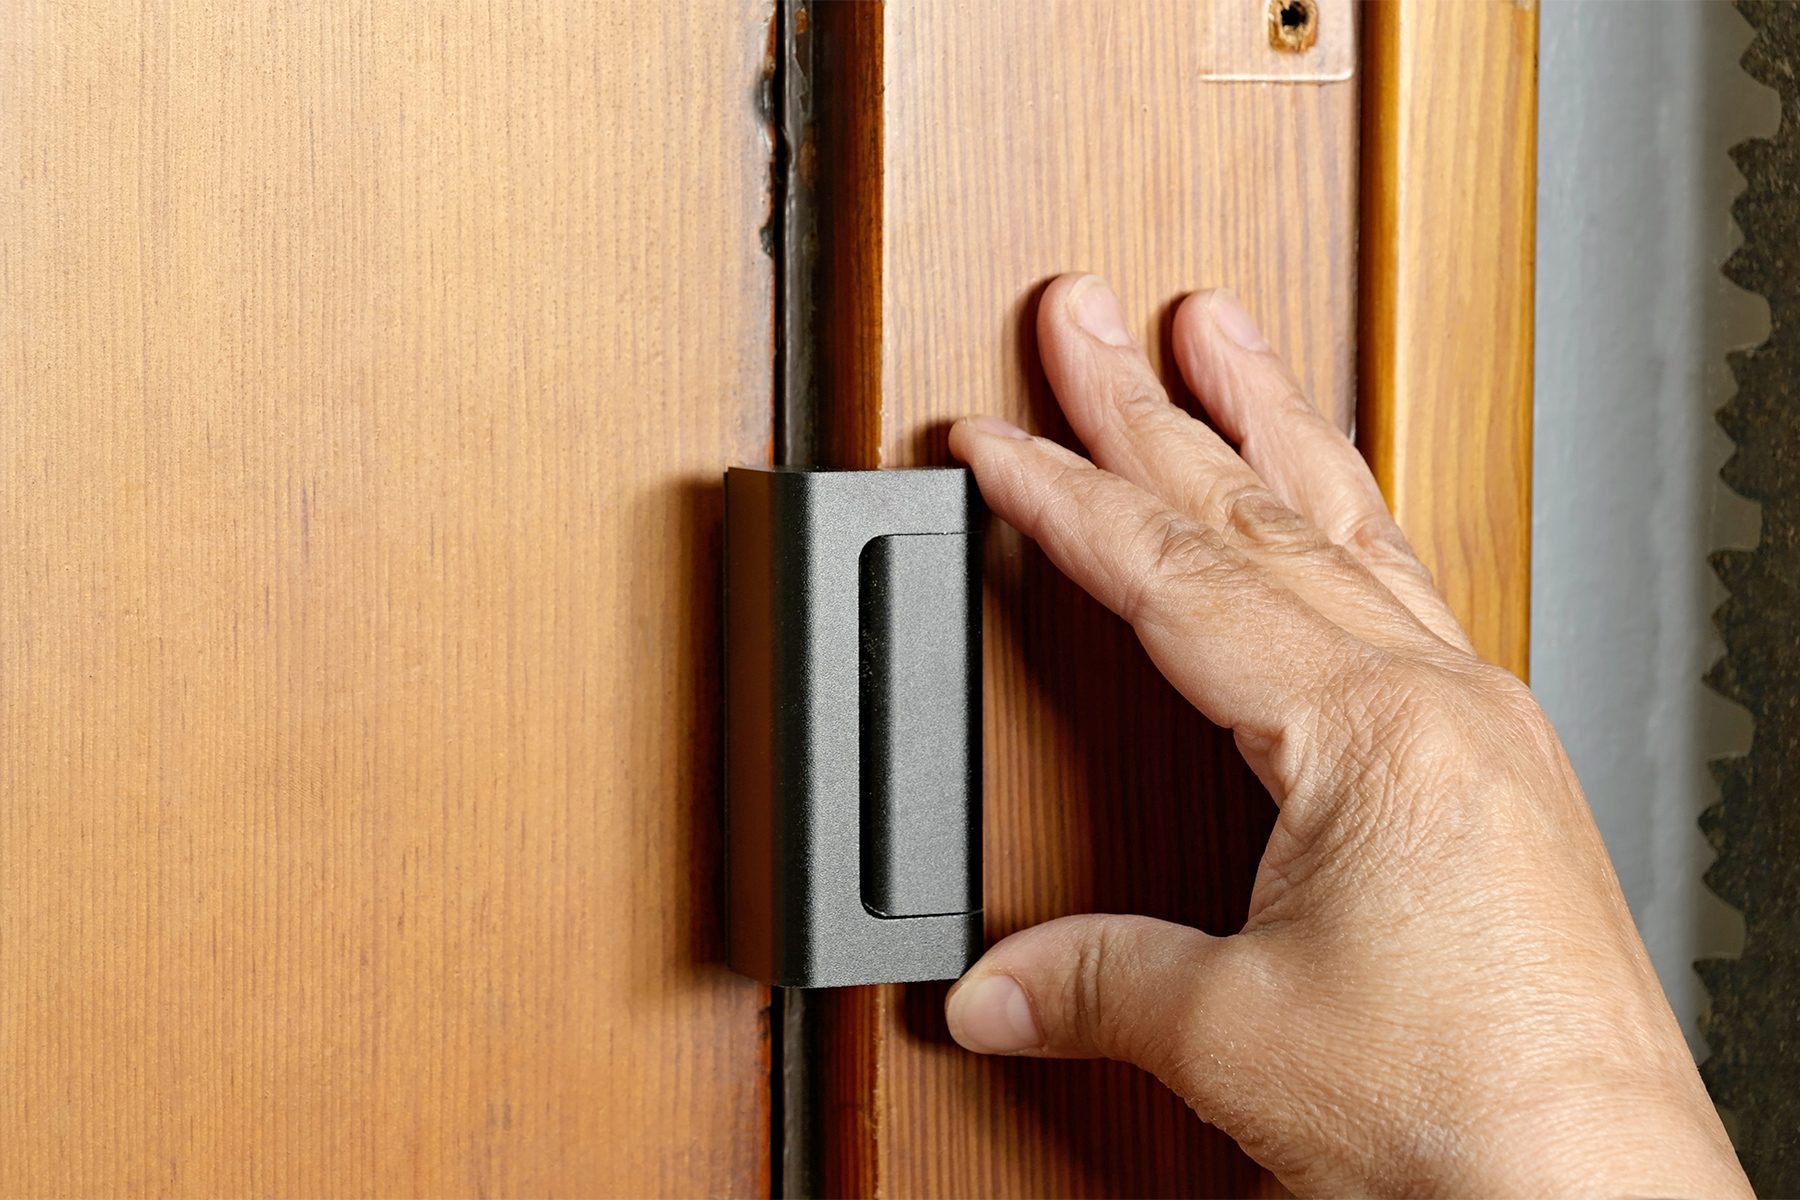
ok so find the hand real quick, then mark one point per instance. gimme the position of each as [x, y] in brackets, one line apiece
[1439, 988]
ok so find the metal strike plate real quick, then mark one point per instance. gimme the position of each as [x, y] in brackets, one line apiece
[853, 725]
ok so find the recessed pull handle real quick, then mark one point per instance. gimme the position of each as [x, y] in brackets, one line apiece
[921, 733]
[853, 715]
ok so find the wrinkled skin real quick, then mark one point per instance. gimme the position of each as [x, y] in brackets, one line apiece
[1439, 989]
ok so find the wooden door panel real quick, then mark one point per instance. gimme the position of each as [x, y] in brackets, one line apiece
[966, 156]
[365, 376]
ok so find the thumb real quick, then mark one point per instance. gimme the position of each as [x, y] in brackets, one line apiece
[1149, 992]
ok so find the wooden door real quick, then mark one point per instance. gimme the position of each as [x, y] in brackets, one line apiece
[366, 373]
[974, 152]
[1005, 152]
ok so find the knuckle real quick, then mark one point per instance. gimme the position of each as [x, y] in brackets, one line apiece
[1179, 554]
[1095, 1016]
[1297, 405]
[1252, 514]
[1293, 418]
[1128, 999]
[1143, 415]
[1371, 532]
[1087, 1001]
[1422, 746]
[1373, 536]
[1142, 408]
[1074, 479]
[1515, 710]
[1068, 487]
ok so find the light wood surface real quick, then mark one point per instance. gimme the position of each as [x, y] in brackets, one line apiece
[366, 373]
[973, 156]
[1449, 220]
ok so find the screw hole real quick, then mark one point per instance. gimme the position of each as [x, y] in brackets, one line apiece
[1293, 25]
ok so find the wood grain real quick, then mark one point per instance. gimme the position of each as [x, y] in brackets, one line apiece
[966, 157]
[366, 373]
[1445, 338]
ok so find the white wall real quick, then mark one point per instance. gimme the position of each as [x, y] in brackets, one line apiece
[1638, 105]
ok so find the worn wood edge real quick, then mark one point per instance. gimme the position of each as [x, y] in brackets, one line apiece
[852, 1026]
[1463, 500]
[849, 1024]
[848, 66]
[796, 250]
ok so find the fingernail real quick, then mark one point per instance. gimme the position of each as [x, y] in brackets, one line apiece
[999, 428]
[993, 1016]
[1234, 322]
[1097, 311]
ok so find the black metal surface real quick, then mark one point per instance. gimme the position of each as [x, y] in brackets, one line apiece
[921, 733]
[805, 764]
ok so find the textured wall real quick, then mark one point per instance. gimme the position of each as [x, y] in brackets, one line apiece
[1638, 107]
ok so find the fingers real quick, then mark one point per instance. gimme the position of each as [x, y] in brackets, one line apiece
[1121, 413]
[1166, 997]
[1244, 650]
[1304, 458]
[1118, 408]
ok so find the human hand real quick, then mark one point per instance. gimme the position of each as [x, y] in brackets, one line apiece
[1439, 988]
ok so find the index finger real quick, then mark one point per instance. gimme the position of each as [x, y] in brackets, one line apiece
[1245, 651]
